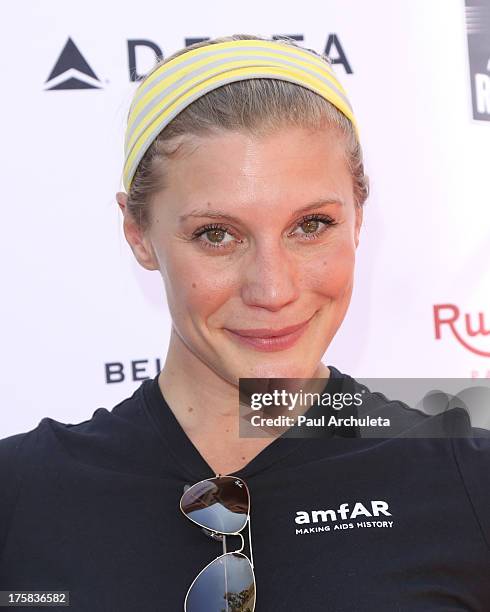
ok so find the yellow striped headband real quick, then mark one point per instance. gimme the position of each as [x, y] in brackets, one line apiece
[183, 79]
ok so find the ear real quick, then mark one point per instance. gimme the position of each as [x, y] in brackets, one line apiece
[138, 241]
[357, 229]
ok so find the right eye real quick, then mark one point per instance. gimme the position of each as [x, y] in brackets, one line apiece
[215, 236]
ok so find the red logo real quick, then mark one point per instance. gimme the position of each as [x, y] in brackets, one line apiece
[463, 327]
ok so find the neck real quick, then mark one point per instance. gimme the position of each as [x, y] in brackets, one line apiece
[204, 403]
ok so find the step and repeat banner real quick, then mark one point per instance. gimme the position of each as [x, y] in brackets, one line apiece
[83, 324]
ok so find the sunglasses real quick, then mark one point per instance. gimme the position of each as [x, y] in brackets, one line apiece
[221, 507]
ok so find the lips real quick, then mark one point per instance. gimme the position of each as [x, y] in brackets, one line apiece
[275, 340]
[268, 332]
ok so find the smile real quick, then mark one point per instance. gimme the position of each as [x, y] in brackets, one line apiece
[269, 340]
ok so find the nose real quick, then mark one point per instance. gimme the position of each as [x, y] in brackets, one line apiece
[271, 277]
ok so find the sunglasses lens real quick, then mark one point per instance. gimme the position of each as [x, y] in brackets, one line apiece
[220, 504]
[227, 584]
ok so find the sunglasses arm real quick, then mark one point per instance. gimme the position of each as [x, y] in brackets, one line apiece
[250, 542]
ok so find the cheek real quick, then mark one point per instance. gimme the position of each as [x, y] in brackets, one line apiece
[191, 287]
[205, 295]
[331, 271]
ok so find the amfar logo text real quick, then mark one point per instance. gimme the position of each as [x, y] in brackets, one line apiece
[332, 520]
[73, 71]
[465, 327]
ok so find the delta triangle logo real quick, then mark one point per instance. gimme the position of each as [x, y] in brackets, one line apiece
[72, 71]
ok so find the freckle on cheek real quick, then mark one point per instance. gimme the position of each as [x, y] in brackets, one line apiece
[193, 285]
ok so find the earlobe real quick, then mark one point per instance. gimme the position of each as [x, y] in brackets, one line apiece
[150, 260]
[140, 245]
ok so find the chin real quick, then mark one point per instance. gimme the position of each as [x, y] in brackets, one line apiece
[293, 368]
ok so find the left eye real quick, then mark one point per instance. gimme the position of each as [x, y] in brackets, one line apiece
[310, 225]
[217, 235]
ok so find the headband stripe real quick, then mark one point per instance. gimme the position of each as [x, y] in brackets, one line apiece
[180, 81]
[267, 56]
[166, 90]
[166, 80]
[217, 49]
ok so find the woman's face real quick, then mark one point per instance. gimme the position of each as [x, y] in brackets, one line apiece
[257, 233]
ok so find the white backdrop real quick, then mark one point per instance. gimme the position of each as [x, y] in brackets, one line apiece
[74, 299]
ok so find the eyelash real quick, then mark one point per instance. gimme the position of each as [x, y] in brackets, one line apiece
[329, 222]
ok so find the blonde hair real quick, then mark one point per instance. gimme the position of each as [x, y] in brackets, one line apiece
[258, 106]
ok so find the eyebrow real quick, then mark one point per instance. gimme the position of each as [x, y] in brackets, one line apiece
[218, 214]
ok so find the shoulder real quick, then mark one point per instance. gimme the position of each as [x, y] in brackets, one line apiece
[10, 447]
[12, 450]
[119, 438]
[448, 434]
[472, 457]
[434, 416]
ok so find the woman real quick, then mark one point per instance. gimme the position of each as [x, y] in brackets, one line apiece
[244, 187]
